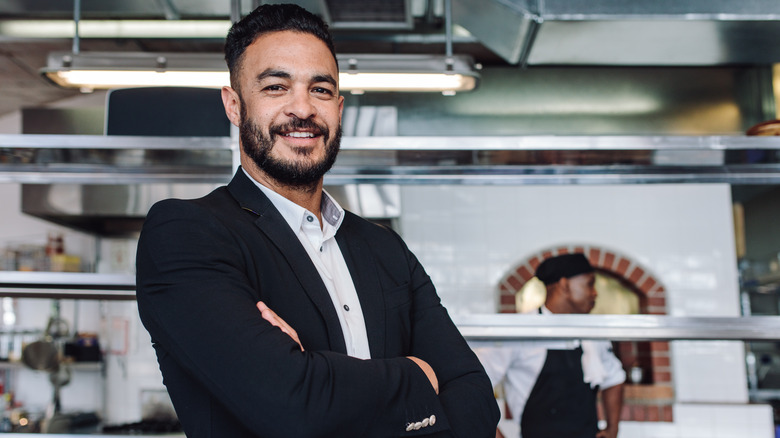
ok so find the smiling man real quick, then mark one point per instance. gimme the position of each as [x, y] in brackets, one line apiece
[273, 311]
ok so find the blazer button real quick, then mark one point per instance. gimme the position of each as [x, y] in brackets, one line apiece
[432, 420]
[418, 425]
[426, 422]
[410, 427]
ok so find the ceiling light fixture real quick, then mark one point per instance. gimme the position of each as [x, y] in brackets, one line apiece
[359, 73]
[447, 74]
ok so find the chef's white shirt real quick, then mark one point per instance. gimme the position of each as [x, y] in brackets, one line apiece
[321, 246]
[517, 365]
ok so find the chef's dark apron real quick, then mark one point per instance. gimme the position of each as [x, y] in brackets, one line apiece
[561, 405]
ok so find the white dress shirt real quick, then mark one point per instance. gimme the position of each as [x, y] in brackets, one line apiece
[517, 365]
[320, 243]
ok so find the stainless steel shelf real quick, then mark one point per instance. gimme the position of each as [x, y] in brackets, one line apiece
[120, 142]
[554, 175]
[514, 327]
[498, 160]
[485, 327]
[67, 285]
[409, 143]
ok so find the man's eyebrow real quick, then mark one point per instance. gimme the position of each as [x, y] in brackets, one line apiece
[325, 78]
[267, 73]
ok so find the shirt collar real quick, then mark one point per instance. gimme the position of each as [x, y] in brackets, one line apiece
[293, 214]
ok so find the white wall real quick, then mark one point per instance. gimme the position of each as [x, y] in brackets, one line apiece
[469, 237]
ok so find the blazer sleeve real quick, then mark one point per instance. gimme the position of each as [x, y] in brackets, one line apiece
[465, 390]
[195, 300]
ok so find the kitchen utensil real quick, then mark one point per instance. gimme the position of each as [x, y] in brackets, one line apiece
[41, 355]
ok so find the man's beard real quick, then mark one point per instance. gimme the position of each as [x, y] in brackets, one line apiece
[301, 175]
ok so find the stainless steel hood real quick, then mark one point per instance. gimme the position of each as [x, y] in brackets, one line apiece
[119, 210]
[618, 32]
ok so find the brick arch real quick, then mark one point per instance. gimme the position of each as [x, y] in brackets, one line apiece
[650, 402]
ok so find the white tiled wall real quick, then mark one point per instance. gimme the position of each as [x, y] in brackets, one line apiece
[707, 421]
[469, 237]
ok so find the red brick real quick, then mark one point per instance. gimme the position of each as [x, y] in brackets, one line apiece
[656, 302]
[636, 274]
[647, 285]
[638, 412]
[547, 255]
[563, 250]
[525, 273]
[609, 260]
[659, 346]
[514, 283]
[662, 376]
[660, 361]
[594, 256]
[534, 262]
[507, 299]
[653, 413]
[625, 413]
[622, 266]
[654, 310]
[667, 413]
[578, 250]
[505, 308]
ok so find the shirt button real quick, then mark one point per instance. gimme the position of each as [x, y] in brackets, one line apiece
[309, 218]
[320, 249]
[346, 307]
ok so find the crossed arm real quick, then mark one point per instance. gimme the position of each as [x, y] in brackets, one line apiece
[275, 320]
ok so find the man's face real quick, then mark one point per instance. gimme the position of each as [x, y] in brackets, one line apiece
[290, 110]
[582, 292]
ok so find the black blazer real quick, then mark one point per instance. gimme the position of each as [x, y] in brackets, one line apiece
[203, 264]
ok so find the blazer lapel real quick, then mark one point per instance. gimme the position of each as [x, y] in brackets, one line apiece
[363, 271]
[273, 225]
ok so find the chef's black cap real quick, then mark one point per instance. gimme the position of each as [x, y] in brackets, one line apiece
[563, 266]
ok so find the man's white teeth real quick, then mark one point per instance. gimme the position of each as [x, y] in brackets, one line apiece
[300, 134]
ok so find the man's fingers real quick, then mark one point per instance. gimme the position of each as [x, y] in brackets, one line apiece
[427, 370]
[275, 320]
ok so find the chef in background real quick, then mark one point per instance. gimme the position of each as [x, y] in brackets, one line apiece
[551, 386]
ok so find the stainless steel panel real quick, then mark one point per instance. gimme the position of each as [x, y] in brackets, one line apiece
[74, 285]
[642, 41]
[611, 32]
[509, 327]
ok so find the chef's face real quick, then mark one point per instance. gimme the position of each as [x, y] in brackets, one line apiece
[287, 107]
[582, 292]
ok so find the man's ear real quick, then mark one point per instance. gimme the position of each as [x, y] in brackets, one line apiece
[563, 285]
[232, 105]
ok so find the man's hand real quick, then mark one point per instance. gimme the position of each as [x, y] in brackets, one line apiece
[271, 316]
[427, 370]
[609, 432]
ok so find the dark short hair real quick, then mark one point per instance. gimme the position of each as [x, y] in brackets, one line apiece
[551, 270]
[266, 19]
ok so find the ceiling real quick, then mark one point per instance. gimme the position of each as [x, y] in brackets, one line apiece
[522, 33]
